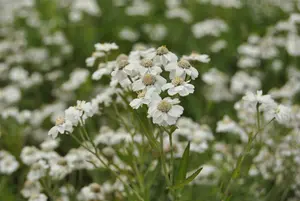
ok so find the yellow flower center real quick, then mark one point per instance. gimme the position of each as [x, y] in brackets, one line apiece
[62, 162]
[164, 106]
[141, 94]
[148, 79]
[147, 63]
[122, 57]
[177, 81]
[184, 64]
[162, 50]
[59, 121]
[122, 63]
[96, 188]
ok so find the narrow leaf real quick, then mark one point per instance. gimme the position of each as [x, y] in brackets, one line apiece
[187, 180]
[183, 167]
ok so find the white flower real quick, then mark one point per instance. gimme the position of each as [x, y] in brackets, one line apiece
[61, 126]
[37, 170]
[90, 61]
[165, 112]
[31, 188]
[227, 125]
[38, 197]
[49, 145]
[147, 81]
[30, 155]
[181, 68]
[91, 192]
[59, 168]
[106, 47]
[8, 164]
[148, 66]
[119, 73]
[258, 98]
[144, 97]
[204, 58]
[281, 113]
[162, 56]
[87, 108]
[73, 115]
[103, 69]
[179, 86]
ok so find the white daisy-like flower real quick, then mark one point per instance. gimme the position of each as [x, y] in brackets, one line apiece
[281, 113]
[91, 192]
[119, 74]
[204, 58]
[181, 68]
[8, 164]
[103, 69]
[59, 168]
[73, 115]
[30, 155]
[147, 81]
[61, 126]
[37, 170]
[106, 47]
[49, 144]
[179, 86]
[162, 56]
[165, 111]
[140, 52]
[148, 66]
[31, 188]
[87, 108]
[90, 61]
[265, 100]
[38, 197]
[144, 97]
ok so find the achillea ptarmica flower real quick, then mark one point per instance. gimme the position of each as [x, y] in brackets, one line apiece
[181, 68]
[165, 111]
[162, 56]
[179, 86]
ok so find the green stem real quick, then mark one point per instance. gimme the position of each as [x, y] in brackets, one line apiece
[163, 160]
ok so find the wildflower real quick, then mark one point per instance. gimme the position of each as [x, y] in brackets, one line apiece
[31, 188]
[204, 58]
[91, 192]
[30, 155]
[148, 66]
[49, 144]
[148, 81]
[61, 126]
[162, 56]
[8, 164]
[179, 86]
[181, 68]
[144, 97]
[59, 168]
[258, 98]
[165, 111]
[38, 197]
[106, 47]
[37, 170]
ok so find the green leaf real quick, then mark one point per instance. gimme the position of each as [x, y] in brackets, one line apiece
[187, 180]
[183, 167]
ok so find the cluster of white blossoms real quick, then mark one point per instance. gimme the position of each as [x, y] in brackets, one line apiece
[73, 116]
[8, 163]
[157, 76]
